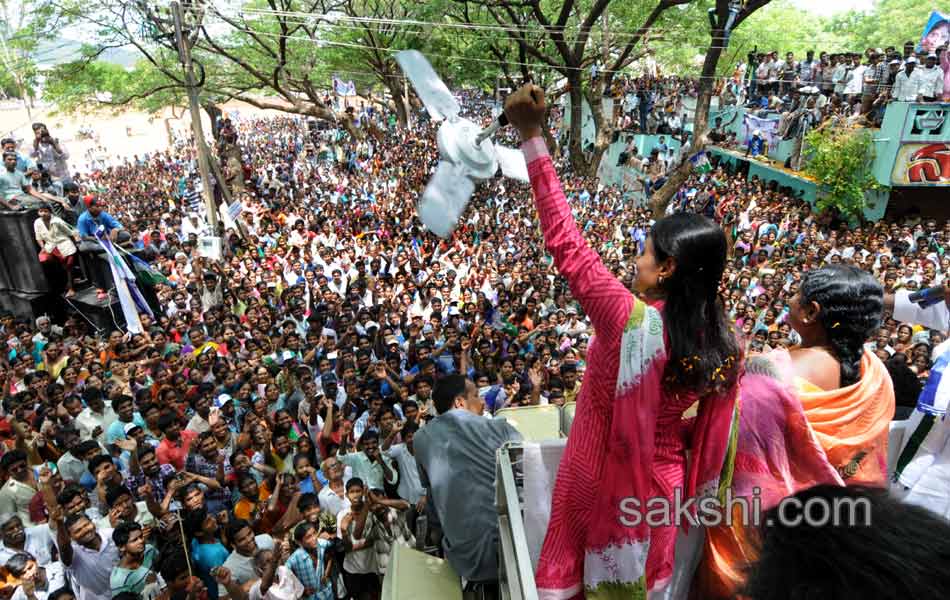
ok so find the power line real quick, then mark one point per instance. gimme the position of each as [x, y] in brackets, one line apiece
[331, 19]
[594, 31]
[473, 29]
[463, 58]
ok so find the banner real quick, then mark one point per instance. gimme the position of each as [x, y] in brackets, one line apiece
[235, 210]
[936, 33]
[700, 162]
[131, 300]
[922, 164]
[344, 88]
[768, 128]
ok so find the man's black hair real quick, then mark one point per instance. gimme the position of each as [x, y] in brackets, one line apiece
[123, 531]
[12, 457]
[447, 390]
[883, 548]
[96, 461]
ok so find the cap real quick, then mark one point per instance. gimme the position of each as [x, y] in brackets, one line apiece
[895, 62]
[453, 311]
[222, 399]
[88, 200]
[911, 60]
[932, 55]
[130, 427]
[328, 379]
[391, 339]
[757, 132]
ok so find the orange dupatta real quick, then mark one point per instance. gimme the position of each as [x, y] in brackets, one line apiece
[852, 423]
[791, 442]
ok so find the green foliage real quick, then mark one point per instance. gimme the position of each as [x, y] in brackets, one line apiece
[24, 24]
[782, 26]
[81, 85]
[889, 23]
[840, 159]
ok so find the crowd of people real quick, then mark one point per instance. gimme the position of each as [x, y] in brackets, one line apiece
[804, 92]
[259, 432]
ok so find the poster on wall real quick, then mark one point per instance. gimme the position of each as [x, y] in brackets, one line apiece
[767, 128]
[922, 164]
[936, 33]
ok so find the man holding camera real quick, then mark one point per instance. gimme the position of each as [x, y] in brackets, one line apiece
[48, 152]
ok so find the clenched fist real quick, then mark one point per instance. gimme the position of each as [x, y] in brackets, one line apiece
[525, 111]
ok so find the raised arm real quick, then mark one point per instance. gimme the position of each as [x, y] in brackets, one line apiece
[604, 298]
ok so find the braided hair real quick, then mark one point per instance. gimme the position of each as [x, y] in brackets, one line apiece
[852, 306]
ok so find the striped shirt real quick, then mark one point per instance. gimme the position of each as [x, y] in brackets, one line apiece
[133, 580]
[192, 199]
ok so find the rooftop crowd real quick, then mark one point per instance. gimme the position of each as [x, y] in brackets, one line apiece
[260, 431]
[846, 87]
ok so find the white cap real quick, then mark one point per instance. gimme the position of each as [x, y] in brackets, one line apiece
[911, 60]
[757, 132]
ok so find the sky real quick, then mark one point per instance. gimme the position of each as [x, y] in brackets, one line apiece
[831, 7]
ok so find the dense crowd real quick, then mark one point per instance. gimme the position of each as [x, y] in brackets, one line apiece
[259, 431]
[807, 91]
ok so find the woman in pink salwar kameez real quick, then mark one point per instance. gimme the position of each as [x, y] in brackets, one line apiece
[652, 358]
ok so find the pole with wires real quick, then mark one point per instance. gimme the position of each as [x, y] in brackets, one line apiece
[184, 54]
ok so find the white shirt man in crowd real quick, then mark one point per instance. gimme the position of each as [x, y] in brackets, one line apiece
[907, 86]
[931, 80]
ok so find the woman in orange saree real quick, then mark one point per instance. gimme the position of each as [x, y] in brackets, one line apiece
[818, 413]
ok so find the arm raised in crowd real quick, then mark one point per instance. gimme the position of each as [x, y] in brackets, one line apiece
[604, 298]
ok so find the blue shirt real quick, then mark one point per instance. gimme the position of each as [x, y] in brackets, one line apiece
[311, 575]
[205, 557]
[116, 430]
[88, 224]
[756, 146]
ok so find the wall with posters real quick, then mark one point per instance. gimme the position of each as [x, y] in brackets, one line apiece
[922, 164]
[914, 147]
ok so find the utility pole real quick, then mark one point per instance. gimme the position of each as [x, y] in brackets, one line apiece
[408, 104]
[184, 54]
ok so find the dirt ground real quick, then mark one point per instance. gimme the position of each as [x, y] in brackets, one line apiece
[120, 135]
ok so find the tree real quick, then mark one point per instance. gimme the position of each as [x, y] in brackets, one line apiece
[570, 37]
[74, 86]
[888, 23]
[721, 26]
[840, 158]
[268, 55]
[23, 25]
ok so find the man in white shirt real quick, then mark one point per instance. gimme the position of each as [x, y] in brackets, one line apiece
[15, 538]
[338, 283]
[89, 555]
[410, 487]
[332, 496]
[908, 83]
[95, 419]
[931, 80]
[855, 77]
[360, 562]
[18, 491]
